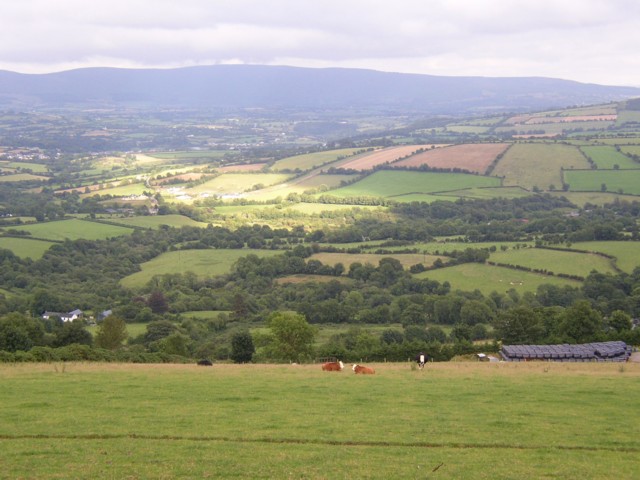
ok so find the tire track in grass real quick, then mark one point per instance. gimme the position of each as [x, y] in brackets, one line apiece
[340, 443]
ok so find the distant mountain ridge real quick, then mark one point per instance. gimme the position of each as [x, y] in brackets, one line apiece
[254, 86]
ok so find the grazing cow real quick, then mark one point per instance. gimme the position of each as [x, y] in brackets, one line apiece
[205, 362]
[362, 369]
[333, 366]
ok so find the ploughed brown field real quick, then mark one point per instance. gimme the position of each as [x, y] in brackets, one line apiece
[472, 157]
[379, 157]
[252, 167]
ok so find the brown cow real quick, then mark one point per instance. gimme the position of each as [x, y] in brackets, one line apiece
[362, 369]
[333, 366]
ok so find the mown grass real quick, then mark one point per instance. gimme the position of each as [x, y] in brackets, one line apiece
[488, 278]
[454, 420]
[201, 262]
[311, 160]
[24, 247]
[74, 229]
[531, 165]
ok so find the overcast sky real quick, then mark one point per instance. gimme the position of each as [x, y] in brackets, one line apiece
[595, 41]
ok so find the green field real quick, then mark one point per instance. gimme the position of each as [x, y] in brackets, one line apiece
[201, 262]
[133, 329]
[607, 157]
[492, 192]
[468, 129]
[391, 184]
[121, 191]
[616, 181]
[299, 185]
[25, 247]
[423, 197]
[488, 278]
[310, 160]
[595, 198]
[406, 259]
[192, 154]
[452, 420]
[531, 165]
[22, 177]
[236, 183]
[73, 229]
[204, 314]
[631, 149]
[34, 167]
[155, 221]
[627, 253]
[570, 263]
[439, 247]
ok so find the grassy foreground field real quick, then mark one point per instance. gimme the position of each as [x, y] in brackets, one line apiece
[453, 420]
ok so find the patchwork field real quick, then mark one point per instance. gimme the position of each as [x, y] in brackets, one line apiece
[452, 420]
[488, 278]
[475, 157]
[379, 157]
[538, 164]
[391, 183]
[619, 181]
[74, 229]
[201, 262]
[24, 247]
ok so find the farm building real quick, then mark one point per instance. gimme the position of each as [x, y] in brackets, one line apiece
[585, 352]
[65, 317]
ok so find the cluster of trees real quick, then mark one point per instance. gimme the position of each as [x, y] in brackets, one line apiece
[85, 274]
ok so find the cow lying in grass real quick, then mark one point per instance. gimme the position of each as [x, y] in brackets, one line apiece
[362, 369]
[333, 366]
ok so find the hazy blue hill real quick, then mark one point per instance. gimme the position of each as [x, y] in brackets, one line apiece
[242, 86]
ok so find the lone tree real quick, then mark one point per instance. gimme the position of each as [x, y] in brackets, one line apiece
[157, 302]
[242, 348]
[293, 336]
[111, 333]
